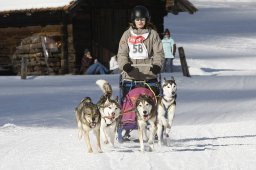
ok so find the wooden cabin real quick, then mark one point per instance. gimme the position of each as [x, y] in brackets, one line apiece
[53, 36]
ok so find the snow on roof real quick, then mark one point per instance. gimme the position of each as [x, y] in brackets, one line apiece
[18, 5]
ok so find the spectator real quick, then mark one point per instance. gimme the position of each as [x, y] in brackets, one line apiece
[169, 51]
[113, 65]
[89, 65]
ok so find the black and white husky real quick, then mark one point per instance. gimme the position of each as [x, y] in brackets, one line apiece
[166, 106]
[109, 110]
[146, 114]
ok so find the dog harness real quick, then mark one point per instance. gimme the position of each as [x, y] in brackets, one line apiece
[167, 109]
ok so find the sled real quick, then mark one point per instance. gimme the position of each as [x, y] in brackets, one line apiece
[128, 121]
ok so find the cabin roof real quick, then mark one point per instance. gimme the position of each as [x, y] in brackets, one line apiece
[19, 6]
[12, 6]
[176, 6]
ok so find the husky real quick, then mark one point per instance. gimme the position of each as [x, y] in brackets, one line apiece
[88, 118]
[166, 106]
[110, 112]
[146, 114]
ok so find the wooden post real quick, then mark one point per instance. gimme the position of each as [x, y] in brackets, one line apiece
[183, 62]
[64, 31]
[23, 71]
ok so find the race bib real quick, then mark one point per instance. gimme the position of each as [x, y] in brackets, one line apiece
[137, 49]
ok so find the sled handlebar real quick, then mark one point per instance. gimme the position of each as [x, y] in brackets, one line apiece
[142, 65]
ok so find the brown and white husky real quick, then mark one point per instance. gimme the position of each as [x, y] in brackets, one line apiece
[88, 118]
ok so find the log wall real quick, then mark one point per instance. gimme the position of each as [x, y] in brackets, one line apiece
[12, 37]
[97, 25]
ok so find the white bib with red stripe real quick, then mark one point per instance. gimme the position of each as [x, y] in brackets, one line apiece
[137, 49]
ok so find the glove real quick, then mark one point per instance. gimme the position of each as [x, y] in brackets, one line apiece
[127, 68]
[155, 69]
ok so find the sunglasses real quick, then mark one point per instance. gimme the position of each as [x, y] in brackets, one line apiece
[140, 19]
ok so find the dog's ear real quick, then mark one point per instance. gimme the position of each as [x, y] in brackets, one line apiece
[151, 100]
[116, 99]
[163, 82]
[108, 100]
[138, 100]
[102, 100]
[173, 79]
[86, 100]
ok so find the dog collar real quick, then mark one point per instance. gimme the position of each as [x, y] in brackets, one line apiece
[172, 100]
[110, 119]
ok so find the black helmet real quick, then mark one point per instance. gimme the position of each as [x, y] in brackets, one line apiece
[140, 12]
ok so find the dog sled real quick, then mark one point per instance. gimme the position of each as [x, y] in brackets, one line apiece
[130, 90]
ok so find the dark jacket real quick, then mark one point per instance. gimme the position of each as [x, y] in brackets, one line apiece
[85, 63]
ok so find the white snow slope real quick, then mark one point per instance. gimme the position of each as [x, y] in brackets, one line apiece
[215, 123]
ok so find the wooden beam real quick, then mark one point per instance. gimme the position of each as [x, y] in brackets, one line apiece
[183, 62]
[64, 56]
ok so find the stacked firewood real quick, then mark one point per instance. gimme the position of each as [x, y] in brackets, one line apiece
[40, 59]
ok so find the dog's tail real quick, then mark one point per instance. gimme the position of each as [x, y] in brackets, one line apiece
[105, 87]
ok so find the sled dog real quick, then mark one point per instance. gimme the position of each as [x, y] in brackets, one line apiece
[146, 114]
[110, 112]
[166, 106]
[88, 118]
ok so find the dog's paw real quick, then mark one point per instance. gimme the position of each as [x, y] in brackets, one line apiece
[160, 143]
[150, 142]
[168, 130]
[106, 141]
[146, 139]
[100, 151]
[90, 150]
[112, 144]
[151, 148]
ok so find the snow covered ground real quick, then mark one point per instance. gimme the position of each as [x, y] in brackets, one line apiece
[215, 123]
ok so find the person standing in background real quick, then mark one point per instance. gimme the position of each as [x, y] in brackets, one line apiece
[169, 51]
